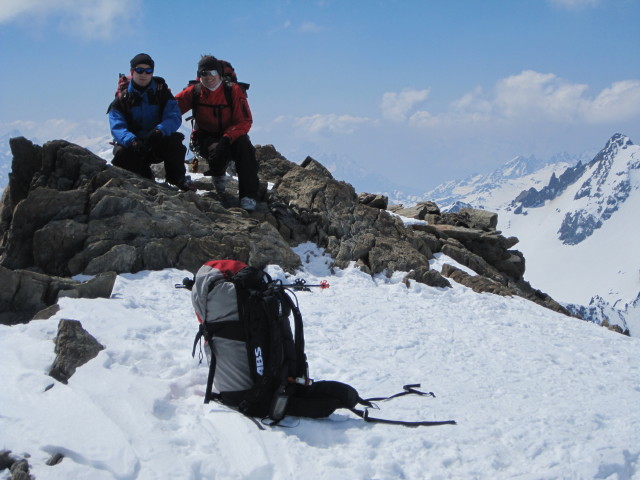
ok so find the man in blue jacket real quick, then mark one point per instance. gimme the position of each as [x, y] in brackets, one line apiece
[144, 120]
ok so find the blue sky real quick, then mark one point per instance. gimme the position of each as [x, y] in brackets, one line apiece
[415, 92]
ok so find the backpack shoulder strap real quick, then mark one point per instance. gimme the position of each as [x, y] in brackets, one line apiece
[197, 88]
[228, 92]
[301, 365]
[163, 92]
[195, 96]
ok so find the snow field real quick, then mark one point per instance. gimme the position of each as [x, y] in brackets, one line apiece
[536, 395]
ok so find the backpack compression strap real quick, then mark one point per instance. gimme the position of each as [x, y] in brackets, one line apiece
[407, 390]
[364, 414]
[202, 332]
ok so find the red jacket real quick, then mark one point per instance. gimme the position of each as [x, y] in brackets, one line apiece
[214, 115]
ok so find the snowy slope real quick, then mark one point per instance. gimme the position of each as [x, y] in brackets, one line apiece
[536, 395]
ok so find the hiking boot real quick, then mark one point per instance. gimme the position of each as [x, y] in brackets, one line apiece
[220, 183]
[186, 184]
[249, 204]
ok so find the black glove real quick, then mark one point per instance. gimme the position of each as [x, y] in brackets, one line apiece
[138, 147]
[153, 139]
[222, 151]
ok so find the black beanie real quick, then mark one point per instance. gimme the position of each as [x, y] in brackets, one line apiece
[208, 62]
[142, 58]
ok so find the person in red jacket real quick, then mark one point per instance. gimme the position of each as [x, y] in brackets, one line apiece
[222, 123]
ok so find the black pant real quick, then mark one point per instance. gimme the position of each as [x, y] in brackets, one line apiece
[243, 153]
[169, 150]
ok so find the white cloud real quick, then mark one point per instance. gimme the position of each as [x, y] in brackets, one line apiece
[89, 18]
[539, 96]
[397, 105]
[533, 97]
[310, 27]
[329, 123]
[620, 102]
[574, 4]
[422, 118]
[11, 9]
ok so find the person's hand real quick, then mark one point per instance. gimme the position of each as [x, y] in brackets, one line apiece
[153, 138]
[138, 146]
[222, 151]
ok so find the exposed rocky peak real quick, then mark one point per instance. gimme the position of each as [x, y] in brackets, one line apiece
[533, 198]
[608, 184]
[603, 313]
[67, 212]
[601, 187]
[601, 167]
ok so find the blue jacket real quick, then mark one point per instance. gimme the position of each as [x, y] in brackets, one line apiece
[144, 114]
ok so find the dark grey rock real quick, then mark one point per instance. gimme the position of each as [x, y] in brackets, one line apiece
[374, 200]
[477, 283]
[481, 219]
[74, 347]
[428, 277]
[6, 459]
[102, 218]
[420, 211]
[26, 293]
[55, 459]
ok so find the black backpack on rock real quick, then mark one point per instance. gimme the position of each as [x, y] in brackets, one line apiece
[257, 364]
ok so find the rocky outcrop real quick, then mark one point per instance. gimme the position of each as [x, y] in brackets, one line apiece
[612, 176]
[18, 466]
[67, 212]
[310, 205]
[469, 236]
[25, 294]
[78, 215]
[74, 347]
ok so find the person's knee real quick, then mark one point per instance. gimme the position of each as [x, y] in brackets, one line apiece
[243, 151]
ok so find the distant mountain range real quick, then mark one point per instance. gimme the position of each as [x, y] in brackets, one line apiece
[493, 190]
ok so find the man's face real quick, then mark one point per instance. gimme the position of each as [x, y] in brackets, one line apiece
[142, 74]
[209, 78]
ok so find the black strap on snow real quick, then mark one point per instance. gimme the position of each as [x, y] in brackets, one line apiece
[364, 414]
[407, 390]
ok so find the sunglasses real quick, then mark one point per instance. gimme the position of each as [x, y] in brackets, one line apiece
[206, 73]
[142, 70]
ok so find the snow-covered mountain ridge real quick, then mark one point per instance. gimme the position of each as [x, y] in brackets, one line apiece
[604, 184]
[493, 190]
[579, 234]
